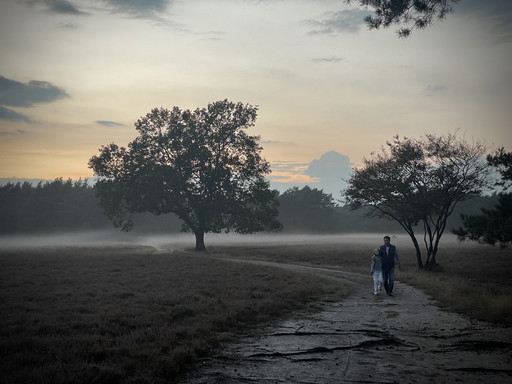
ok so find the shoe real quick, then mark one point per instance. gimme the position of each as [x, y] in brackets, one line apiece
[375, 293]
[390, 293]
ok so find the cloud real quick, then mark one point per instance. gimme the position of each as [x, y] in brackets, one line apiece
[286, 175]
[57, 6]
[490, 7]
[140, 5]
[434, 89]
[330, 59]
[153, 11]
[14, 133]
[496, 14]
[9, 114]
[284, 166]
[142, 8]
[331, 170]
[276, 142]
[63, 6]
[68, 25]
[107, 123]
[16, 94]
[328, 173]
[346, 21]
[263, 1]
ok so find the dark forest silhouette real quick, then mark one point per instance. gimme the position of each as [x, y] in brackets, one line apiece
[66, 205]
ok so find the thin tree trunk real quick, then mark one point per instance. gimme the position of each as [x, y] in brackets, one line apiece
[410, 231]
[419, 260]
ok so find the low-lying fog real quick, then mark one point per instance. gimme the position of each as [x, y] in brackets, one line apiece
[187, 240]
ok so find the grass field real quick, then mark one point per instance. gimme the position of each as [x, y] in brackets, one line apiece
[472, 279]
[133, 315]
[128, 315]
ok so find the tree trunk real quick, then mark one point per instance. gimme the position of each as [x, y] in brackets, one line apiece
[419, 260]
[410, 231]
[431, 263]
[200, 240]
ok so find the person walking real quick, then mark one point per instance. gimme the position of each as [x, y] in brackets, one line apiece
[389, 255]
[376, 271]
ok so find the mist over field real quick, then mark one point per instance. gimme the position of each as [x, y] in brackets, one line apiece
[101, 306]
[183, 241]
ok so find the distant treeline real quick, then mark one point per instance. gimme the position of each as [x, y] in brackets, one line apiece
[49, 207]
[66, 205]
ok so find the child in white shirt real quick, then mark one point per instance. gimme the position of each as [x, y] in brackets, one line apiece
[376, 271]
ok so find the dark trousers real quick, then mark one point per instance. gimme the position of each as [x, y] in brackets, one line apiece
[388, 274]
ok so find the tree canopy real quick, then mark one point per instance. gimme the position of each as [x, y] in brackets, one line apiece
[52, 206]
[200, 165]
[502, 161]
[308, 210]
[419, 182]
[407, 14]
[493, 225]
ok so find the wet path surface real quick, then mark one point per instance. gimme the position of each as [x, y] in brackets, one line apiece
[366, 338]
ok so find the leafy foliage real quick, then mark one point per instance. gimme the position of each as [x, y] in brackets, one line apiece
[503, 162]
[493, 225]
[308, 210]
[410, 14]
[200, 165]
[420, 181]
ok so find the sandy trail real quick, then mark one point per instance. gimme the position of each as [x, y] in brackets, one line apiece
[366, 339]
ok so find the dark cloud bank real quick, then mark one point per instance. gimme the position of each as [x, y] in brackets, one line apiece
[16, 94]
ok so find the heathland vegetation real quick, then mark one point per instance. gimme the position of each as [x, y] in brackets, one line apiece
[130, 315]
[125, 315]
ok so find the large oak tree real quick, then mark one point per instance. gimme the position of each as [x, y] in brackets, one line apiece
[200, 165]
[418, 183]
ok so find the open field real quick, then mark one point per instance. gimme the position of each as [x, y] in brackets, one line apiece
[472, 279]
[130, 315]
[116, 314]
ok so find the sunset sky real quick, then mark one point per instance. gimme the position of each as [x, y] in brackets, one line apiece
[77, 74]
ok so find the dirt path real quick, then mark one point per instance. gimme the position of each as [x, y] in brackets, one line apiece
[366, 339]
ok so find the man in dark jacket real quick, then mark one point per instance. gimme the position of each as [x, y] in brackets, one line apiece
[389, 256]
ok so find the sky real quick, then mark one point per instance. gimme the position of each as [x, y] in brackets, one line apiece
[76, 75]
